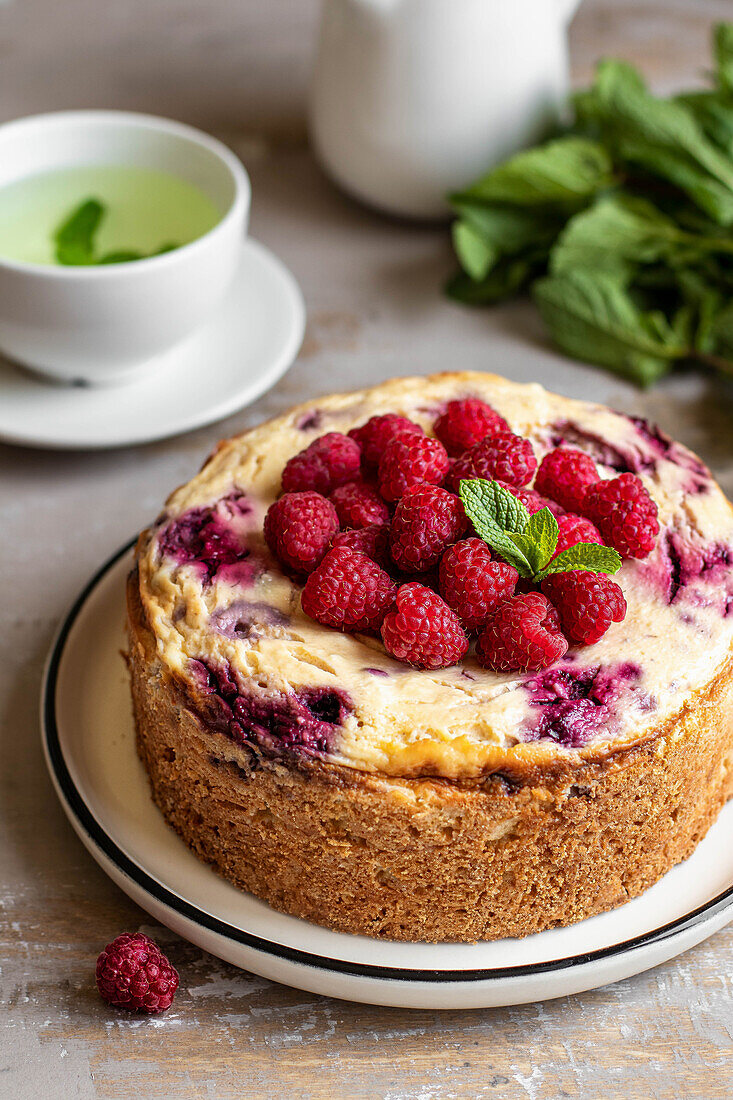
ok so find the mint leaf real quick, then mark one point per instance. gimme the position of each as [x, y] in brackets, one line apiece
[713, 113]
[538, 540]
[74, 238]
[663, 136]
[584, 555]
[122, 256]
[568, 170]
[475, 252]
[495, 515]
[510, 229]
[593, 317]
[505, 280]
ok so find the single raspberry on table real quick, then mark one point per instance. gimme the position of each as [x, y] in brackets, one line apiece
[330, 460]
[587, 603]
[358, 504]
[298, 529]
[374, 436]
[348, 591]
[410, 460]
[564, 475]
[465, 422]
[522, 635]
[472, 583]
[372, 541]
[624, 513]
[503, 456]
[132, 972]
[532, 500]
[573, 529]
[425, 522]
[422, 630]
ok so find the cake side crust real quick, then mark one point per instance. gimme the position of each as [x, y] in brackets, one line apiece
[432, 859]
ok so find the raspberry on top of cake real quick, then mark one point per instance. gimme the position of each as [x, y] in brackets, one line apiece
[327, 586]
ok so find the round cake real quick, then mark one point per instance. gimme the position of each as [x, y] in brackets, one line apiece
[484, 773]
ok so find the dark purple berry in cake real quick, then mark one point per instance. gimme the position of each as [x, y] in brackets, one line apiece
[303, 719]
[133, 973]
[202, 536]
[329, 461]
[465, 422]
[564, 475]
[425, 523]
[348, 591]
[298, 529]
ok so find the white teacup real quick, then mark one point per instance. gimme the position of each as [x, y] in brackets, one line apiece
[412, 99]
[105, 323]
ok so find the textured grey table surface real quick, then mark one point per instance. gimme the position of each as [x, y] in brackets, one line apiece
[372, 291]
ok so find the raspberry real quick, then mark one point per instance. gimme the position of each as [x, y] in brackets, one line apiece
[574, 529]
[298, 528]
[372, 541]
[624, 513]
[523, 634]
[132, 972]
[358, 505]
[348, 591]
[411, 460]
[564, 475]
[328, 461]
[500, 457]
[466, 422]
[472, 584]
[425, 523]
[587, 603]
[532, 500]
[422, 630]
[374, 436]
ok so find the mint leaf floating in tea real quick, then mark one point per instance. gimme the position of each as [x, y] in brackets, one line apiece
[526, 541]
[622, 228]
[122, 256]
[74, 238]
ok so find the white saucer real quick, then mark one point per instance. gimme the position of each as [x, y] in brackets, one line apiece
[241, 352]
[89, 744]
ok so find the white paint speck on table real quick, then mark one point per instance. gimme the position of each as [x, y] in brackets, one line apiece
[372, 289]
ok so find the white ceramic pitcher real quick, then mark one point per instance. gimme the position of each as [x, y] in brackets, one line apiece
[412, 99]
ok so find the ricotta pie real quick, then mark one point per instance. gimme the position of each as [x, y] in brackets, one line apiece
[431, 786]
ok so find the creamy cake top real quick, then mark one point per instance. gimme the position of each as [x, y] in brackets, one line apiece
[260, 670]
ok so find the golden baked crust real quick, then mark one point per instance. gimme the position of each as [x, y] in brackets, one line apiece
[431, 859]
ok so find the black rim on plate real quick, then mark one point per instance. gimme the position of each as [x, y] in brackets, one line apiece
[104, 842]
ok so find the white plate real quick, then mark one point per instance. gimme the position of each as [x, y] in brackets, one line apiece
[247, 345]
[89, 744]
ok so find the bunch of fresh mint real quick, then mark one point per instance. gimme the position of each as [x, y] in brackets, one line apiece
[622, 226]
